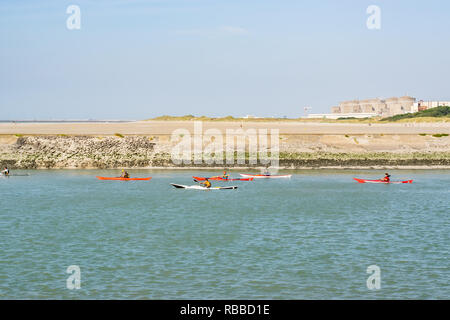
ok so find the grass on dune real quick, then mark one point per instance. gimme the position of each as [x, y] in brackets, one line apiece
[439, 114]
[267, 119]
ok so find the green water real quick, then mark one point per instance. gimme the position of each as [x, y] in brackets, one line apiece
[309, 237]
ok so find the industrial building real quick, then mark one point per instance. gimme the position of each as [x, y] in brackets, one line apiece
[378, 107]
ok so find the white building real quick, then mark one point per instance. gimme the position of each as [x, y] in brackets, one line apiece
[424, 105]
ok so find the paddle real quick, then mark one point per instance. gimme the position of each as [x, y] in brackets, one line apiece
[195, 180]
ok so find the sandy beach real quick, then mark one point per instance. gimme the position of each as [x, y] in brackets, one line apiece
[167, 127]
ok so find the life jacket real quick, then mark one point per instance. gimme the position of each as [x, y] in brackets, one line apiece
[207, 184]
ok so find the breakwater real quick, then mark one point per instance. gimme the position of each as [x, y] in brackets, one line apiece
[296, 151]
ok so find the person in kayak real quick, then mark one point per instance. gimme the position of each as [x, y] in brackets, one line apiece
[225, 175]
[5, 171]
[125, 174]
[386, 177]
[206, 183]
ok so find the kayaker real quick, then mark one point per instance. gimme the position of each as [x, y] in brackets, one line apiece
[125, 174]
[206, 183]
[386, 177]
[225, 175]
[6, 171]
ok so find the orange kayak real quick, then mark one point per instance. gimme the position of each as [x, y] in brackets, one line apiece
[123, 179]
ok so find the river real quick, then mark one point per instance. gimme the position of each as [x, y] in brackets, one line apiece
[309, 237]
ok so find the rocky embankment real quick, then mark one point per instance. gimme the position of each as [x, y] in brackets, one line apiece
[296, 151]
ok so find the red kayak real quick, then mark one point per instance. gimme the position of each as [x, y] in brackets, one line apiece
[123, 179]
[222, 179]
[381, 181]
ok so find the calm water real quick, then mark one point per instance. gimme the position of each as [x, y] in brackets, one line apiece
[310, 237]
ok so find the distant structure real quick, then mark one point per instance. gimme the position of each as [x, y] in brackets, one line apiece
[370, 108]
[386, 107]
[424, 105]
[307, 110]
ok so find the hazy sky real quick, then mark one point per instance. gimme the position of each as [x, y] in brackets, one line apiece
[136, 59]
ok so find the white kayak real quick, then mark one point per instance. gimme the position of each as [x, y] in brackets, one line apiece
[196, 187]
[265, 176]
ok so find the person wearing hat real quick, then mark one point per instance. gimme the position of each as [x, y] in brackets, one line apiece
[124, 174]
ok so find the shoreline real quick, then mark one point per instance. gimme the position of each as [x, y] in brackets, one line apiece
[252, 169]
[149, 145]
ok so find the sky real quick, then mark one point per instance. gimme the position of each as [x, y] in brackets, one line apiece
[136, 59]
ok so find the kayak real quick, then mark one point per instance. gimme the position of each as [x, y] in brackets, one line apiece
[265, 176]
[180, 186]
[123, 179]
[222, 179]
[381, 181]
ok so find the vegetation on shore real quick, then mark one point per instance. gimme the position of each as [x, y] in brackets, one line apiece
[263, 119]
[439, 135]
[438, 112]
[290, 160]
[59, 151]
[227, 118]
